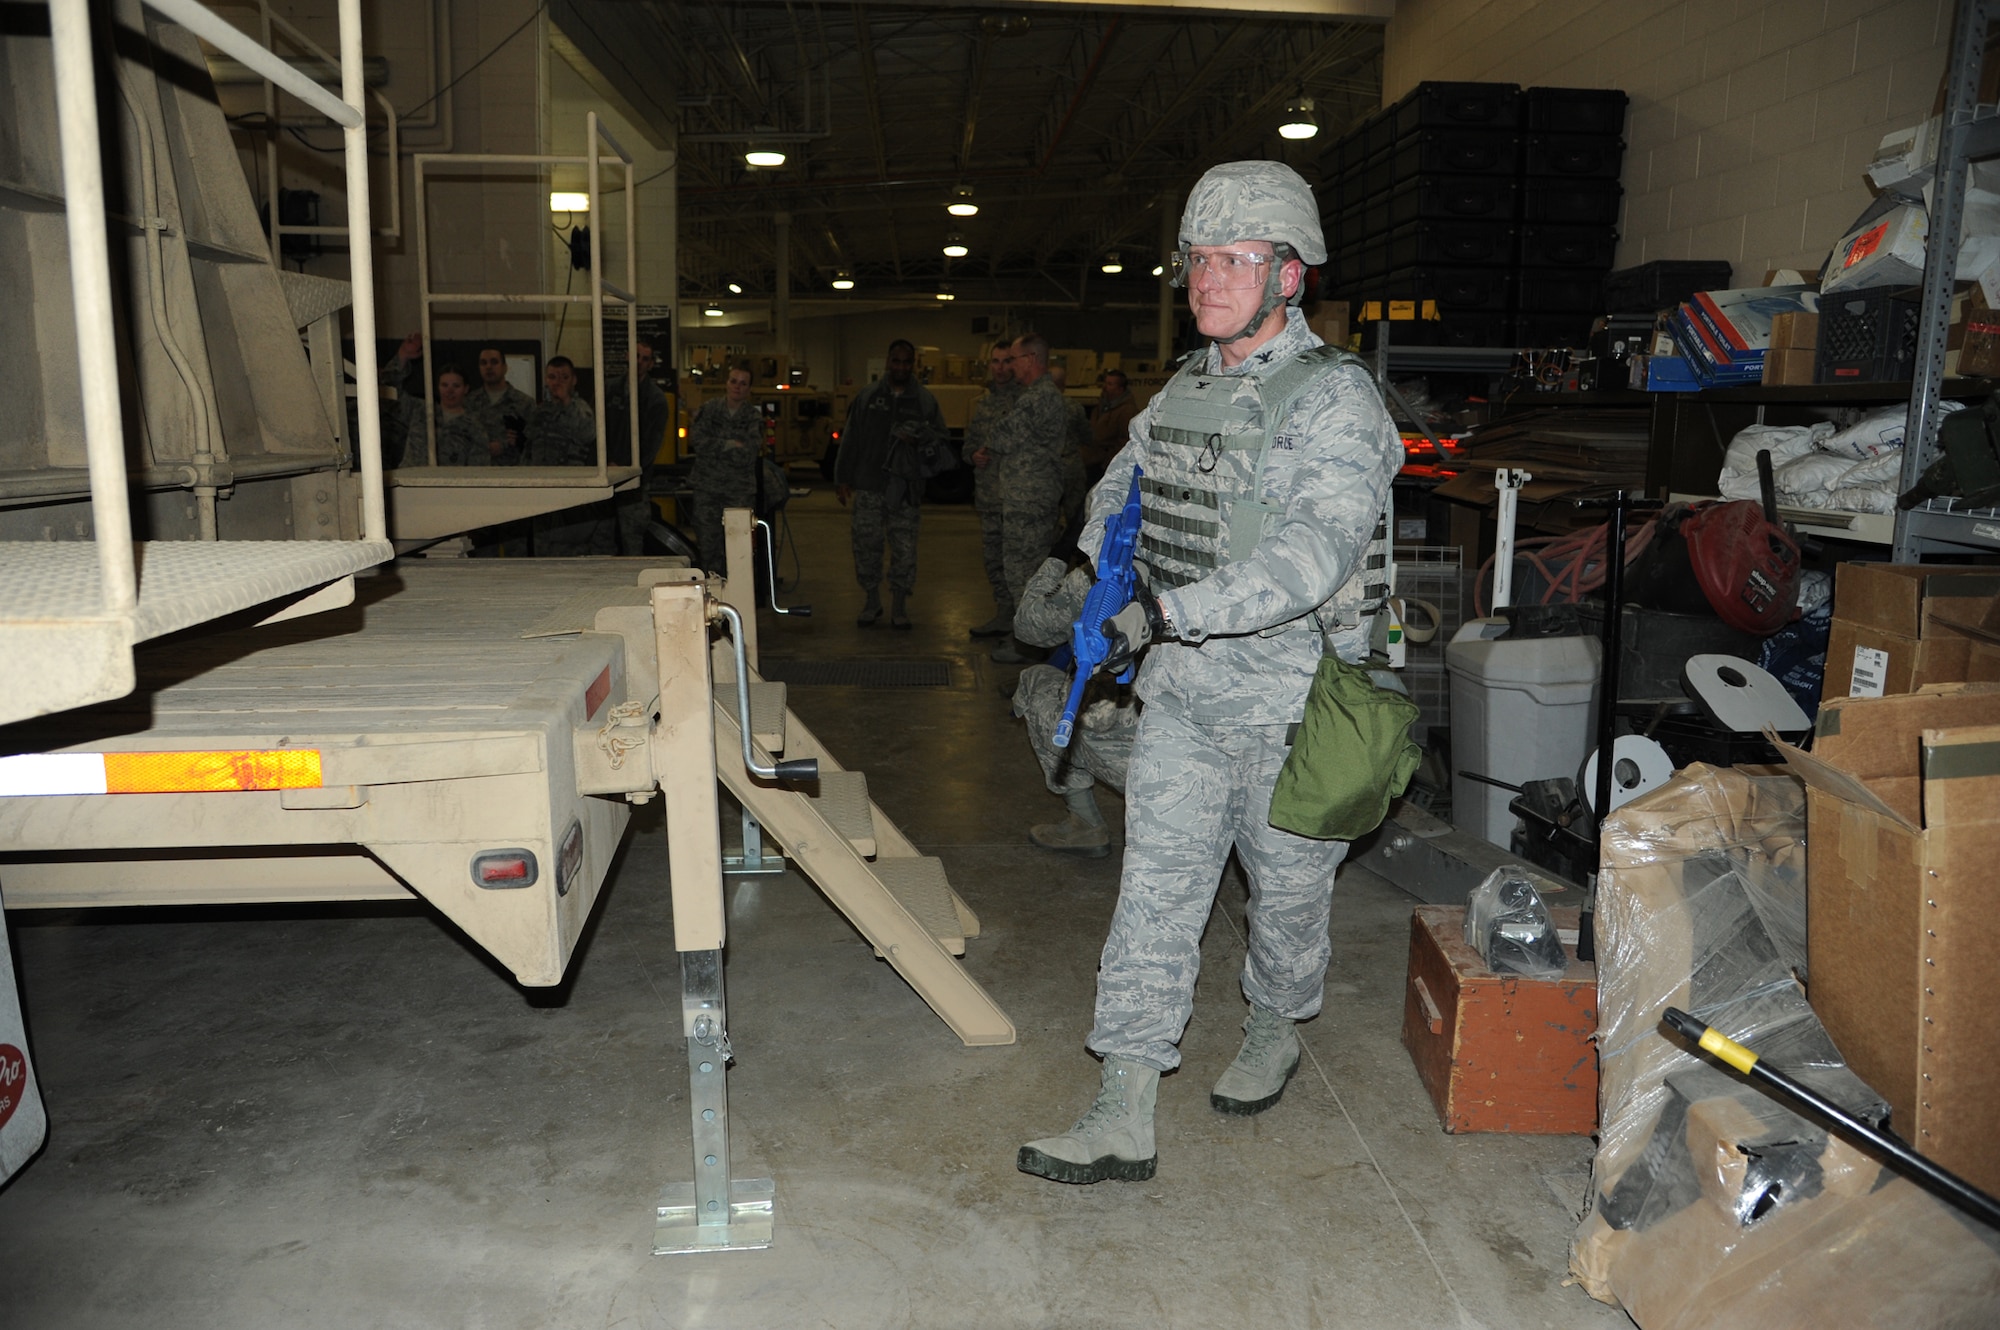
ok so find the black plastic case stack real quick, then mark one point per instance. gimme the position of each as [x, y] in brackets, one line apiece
[1498, 208]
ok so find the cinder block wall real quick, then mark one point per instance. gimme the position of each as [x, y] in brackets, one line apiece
[1751, 120]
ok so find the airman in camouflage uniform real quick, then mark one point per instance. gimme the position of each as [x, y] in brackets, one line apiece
[1101, 744]
[1027, 447]
[1266, 464]
[1074, 445]
[726, 439]
[979, 426]
[562, 432]
[502, 410]
[891, 425]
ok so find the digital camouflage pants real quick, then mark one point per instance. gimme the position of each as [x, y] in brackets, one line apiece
[877, 522]
[1193, 792]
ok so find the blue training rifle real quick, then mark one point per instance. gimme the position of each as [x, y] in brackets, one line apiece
[1113, 591]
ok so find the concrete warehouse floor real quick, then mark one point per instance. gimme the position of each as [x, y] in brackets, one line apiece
[349, 1117]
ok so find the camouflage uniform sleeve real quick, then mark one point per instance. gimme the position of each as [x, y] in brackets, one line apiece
[1329, 473]
[706, 432]
[1050, 604]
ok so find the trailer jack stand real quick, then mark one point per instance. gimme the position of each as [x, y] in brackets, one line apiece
[714, 1212]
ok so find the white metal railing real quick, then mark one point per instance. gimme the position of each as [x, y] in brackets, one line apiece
[273, 26]
[90, 265]
[600, 290]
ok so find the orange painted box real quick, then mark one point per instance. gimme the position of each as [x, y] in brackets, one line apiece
[1500, 1052]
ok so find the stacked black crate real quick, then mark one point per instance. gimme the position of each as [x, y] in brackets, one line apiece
[1445, 176]
[1572, 156]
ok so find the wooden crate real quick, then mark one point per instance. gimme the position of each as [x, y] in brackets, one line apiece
[1499, 1052]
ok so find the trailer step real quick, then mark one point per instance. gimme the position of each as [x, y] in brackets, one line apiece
[767, 716]
[843, 802]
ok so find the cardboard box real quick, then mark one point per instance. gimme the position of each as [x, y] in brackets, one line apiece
[1887, 636]
[1792, 367]
[1499, 1052]
[1903, 909]
[1888, 251]
[1794, 330]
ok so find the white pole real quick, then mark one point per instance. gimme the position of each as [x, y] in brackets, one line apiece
[217, 31]
[361, 276]
[90, 292]
[1508, 482]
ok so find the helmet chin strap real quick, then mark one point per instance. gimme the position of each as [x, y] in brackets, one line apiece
[1274, 296]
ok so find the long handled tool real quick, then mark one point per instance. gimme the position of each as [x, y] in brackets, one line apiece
[1941, 1181]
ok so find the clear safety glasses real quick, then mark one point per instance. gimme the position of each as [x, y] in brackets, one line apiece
[1224, 268]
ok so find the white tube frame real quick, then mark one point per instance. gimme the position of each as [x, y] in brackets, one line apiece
[600, 290]
[90, 290]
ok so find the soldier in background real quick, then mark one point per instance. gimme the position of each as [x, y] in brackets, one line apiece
[985, 417]
[1110, 426]
[501, 409]
[1074, 444]
[1266, 463]
[461, 439]
[561, 431]
[726, 438]
[1026, 447]
[892, 425]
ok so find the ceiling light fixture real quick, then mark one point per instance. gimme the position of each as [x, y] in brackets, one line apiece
[1111, 265]
[765, 157]
[568, 201]
[843, 280]
[1299, 122]
[1159, 270]
[945, 293]
[735, 289]
[712, 310]
[954, 246]
[961, 204]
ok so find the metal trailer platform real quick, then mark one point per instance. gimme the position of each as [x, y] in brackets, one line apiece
[442, 734]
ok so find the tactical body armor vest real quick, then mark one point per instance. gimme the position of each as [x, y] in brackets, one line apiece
[1201, 500]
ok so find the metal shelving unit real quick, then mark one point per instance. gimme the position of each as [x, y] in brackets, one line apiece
[1970, 132]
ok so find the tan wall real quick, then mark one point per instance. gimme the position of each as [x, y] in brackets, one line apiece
[1750, 123]
[570, 100]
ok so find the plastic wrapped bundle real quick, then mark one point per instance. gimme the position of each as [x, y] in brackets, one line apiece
[1712, 1204]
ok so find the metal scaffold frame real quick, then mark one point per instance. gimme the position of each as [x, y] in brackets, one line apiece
[1969, 132]
[600, 290]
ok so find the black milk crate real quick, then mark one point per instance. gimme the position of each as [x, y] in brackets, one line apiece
[1867, 336]
[1455, 152]
[1571, 202]
[1453, 198]
[1574, 111]
[1455, 290]
[1546, 246]
[1380, 129]
[1546, 331]
[1458, 243]
[1574, 156]
[1351, 152]
[1561, 290]
[1457, 106]
[1663, 283]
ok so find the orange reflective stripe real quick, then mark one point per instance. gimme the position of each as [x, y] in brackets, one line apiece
[174, 773]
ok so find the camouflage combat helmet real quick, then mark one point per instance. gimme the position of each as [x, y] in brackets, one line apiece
[1255, 200]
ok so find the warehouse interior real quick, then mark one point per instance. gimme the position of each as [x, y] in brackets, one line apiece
[358, 1113]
